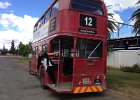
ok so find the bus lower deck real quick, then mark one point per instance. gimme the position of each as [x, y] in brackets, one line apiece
[75, 53]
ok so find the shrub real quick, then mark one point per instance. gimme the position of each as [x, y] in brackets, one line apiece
[135, 68]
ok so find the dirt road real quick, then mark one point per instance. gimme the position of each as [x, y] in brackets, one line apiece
[17, 84]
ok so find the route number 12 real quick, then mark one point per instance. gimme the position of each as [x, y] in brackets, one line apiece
[89, 21]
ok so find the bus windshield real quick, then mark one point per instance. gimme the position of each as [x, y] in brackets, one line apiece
[89, 48]
[88, 6]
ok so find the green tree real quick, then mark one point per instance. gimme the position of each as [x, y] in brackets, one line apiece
[112, 26]
[24, 50]
[12, 50]
[4, 51]
[136, 17]
[28, 48]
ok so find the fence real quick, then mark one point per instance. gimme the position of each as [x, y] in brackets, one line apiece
[123, 57]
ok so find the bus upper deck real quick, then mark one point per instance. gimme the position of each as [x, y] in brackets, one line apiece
[66, 17]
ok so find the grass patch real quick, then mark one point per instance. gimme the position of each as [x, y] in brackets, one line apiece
[123, 81]
[23, 60]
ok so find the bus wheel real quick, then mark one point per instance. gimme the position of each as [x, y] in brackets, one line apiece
[42, 74]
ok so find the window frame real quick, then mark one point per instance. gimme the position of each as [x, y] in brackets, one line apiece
[46, 48]
[40, 23]
[86, 47]
[51, 16]
[88, 11]
[49, 13]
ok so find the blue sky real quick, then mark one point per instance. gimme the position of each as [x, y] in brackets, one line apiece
[26, 7]
[17, 17]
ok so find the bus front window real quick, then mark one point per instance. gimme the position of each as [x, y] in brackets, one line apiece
[88, 6]
[89, 48]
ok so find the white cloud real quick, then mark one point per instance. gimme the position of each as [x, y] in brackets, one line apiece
[120, 5]
[115, 6]
[116, 18]
[16, 28]
[4, 5]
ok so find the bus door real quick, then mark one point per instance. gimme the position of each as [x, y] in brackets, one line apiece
[55, 47]
[65, 65]
[67, 56]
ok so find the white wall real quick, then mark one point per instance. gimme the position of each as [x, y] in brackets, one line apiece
[123, 57]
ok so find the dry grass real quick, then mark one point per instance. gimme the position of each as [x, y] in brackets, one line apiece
[123, 81]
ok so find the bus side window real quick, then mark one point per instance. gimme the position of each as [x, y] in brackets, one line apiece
[55, 47]
[44, 48]
[36, 48]
[47, 17]
[54, 9]
[41, 22]
[33, 51]
[40, 48]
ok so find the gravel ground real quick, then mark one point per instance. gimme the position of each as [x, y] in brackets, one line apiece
[17, 84]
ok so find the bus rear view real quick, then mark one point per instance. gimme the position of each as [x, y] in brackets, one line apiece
[89, 70]
[78, 30]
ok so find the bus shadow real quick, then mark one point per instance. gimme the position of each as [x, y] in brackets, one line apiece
[82, 96]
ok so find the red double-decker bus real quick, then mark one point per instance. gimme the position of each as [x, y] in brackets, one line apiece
[78, 30]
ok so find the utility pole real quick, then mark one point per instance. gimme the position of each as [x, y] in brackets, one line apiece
[120, 26]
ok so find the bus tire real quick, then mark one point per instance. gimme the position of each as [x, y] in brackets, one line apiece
[42, 74]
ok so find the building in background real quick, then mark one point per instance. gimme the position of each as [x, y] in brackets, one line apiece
[124, 52]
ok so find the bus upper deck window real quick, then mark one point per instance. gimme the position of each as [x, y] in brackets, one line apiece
[90, 6]
[47, 17]
[54, 9]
